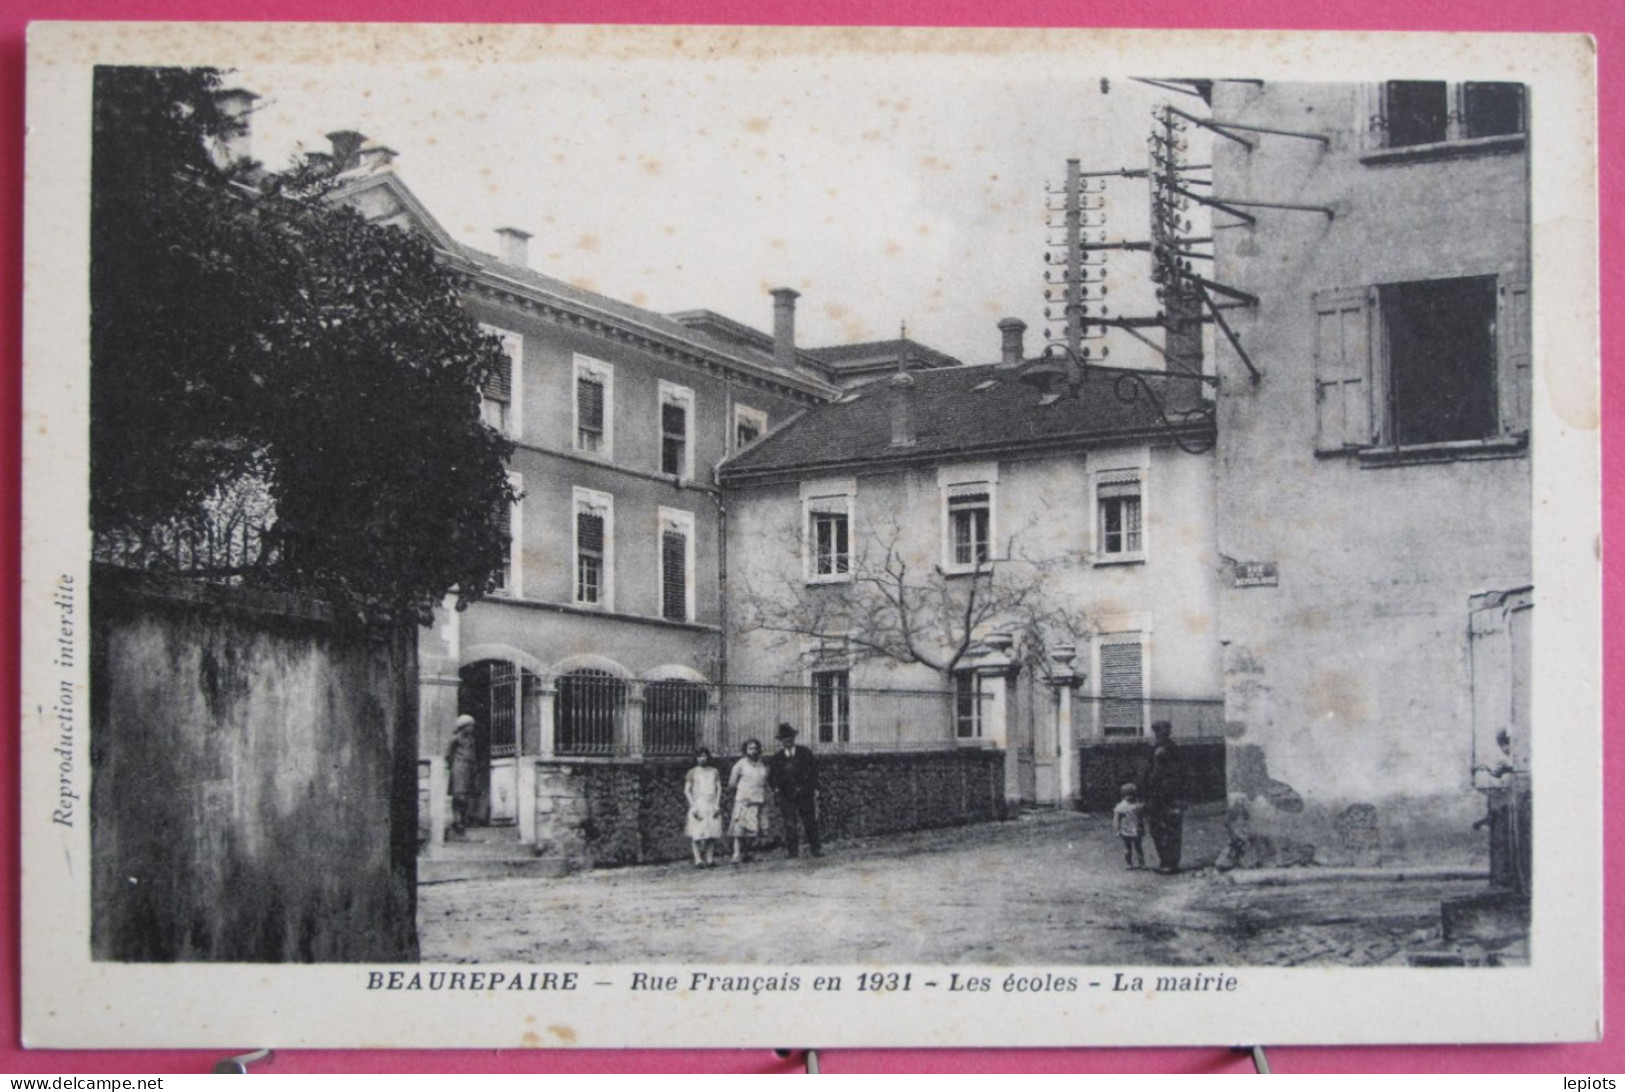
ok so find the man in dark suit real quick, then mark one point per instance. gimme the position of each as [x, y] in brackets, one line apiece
[1164, 792]
[793, 773]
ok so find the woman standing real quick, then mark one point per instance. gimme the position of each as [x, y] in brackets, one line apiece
[703, 789]
[748, 780]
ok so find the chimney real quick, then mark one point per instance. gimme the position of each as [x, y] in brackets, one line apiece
[1013, 353]
[346, 149]
[235, 105]
[512, 248]
[784, 325]
[901, 389]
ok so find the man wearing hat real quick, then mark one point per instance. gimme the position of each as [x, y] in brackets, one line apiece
[793, 773]
[461, 764]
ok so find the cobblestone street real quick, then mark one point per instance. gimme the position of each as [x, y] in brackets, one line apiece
[1043, 889]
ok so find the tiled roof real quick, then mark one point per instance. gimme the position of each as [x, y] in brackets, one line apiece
[957, 412]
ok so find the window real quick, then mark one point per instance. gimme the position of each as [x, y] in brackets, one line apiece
[499, 395]
[587, 712]
[1422, 363]
[967, 704]
[1122, 685]
[827, 521]
[676, 430]
[967, 513]
[832, 696]
[510, 579]
[676, 565]
[594, 407]
[594, 548]
[1417, 112]
[1120, 525]
[749, 426]
[969, 519]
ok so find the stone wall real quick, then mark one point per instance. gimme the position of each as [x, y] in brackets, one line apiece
[253, 793]
[615, 813]
[1107, 767]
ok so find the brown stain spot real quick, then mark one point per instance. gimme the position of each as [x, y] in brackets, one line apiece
[777, 244]
[1337, 695]
[586, 284]
[835, 311]
[587, 242]
[530, 1039]
[933, 163]
[757, 125]
[651, 166]
[566, 1034]
[669, 229]
[892, 248]
[872, 135]
[1197, 623]
[640, 298]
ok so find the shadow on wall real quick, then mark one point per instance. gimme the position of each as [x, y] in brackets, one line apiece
[1270, 825]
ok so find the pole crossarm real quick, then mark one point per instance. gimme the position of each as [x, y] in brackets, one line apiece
[1230, 335]
[1222, 127]
[1224, 290]
[1238, 202]
[1213, 202]
[1168, 85]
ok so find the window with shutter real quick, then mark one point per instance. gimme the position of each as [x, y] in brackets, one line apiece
[749, 425]
[594, 548]
[1122, 688]
[1417, 113]
[589, 557]
[504, 579]
[673, 576]
[589, 414]
[498, 406]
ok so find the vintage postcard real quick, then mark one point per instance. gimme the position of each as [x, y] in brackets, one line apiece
[606, 536]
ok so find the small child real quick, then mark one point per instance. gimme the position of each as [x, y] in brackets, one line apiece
[1128, 826]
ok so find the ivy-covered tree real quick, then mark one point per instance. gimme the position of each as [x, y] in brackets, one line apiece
[246, 332]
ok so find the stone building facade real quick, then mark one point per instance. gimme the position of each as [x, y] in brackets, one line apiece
[1078, 520]
[1374, 492]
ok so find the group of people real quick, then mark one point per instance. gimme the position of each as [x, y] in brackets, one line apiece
[791, 773]
[1157, 807]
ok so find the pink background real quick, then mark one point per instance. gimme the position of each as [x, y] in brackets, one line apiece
[1604, 19]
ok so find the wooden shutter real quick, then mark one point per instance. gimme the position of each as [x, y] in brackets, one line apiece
[499, 384]
[590, 404]
[1122, 687]
[505, 529]
[674, 576]
[590, 532]
[1344, 418]
[1512, 341]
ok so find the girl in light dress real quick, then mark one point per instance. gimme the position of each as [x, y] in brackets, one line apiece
[703, 789]
[748, 780]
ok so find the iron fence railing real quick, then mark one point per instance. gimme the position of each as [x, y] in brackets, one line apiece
[597, 714]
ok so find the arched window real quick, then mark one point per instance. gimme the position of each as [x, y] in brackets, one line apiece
[588, 712]
[674, 716]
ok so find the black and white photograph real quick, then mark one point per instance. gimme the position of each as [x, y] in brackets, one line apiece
[637, 536]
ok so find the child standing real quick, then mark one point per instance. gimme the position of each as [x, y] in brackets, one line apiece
[703, 789]
[1128, 825]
